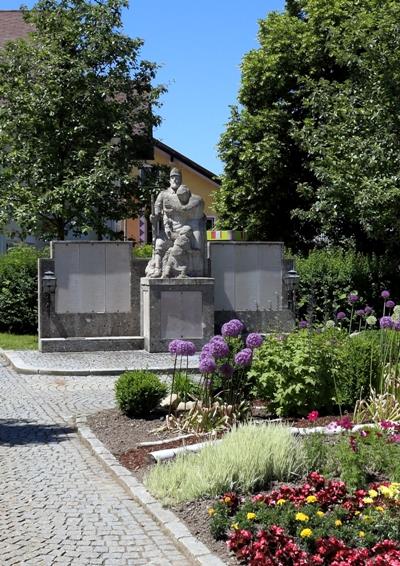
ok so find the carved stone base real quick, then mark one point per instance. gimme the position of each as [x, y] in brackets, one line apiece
[176, 308]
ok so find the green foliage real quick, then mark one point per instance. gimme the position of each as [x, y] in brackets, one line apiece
[247, 458]
[324, 369]
[298, 372]
[362, 457]
[143, 250]
[328, 276]
[139, 392]
[361, 360]
[18, 289]
[184, 386]
[312, 153]
[75, 115]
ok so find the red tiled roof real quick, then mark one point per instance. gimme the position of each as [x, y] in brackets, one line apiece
[12, 26]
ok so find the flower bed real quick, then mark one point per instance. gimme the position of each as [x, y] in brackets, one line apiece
[317, 523]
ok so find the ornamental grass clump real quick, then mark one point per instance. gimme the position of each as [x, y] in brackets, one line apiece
[247, 458]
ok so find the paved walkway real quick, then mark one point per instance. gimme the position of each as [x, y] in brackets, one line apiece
[57, 504]
[95, 363]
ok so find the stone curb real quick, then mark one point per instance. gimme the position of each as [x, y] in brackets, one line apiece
[20, 367]
[195, 550]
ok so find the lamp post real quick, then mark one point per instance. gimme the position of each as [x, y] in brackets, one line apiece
[49, 282]
[292, 282]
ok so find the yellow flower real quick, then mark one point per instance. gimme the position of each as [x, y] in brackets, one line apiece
[366, 518]
[368, 500]
[302, 517]
[306, 533]
[235, 526]
[357, 512]
[251, 516]
[361, 534]
[311, 499]
[320, 513]
[281, 501]
[211, 511]
[227, 499]
[380, 508]
[373, 493]
[338, 523]
[384, 490]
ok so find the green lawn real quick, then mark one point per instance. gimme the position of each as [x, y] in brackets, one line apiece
[18, 341]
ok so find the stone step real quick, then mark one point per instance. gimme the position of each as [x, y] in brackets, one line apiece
[91, 344]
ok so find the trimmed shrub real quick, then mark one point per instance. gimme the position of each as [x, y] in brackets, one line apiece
[139, 392]
[18, 289]
[247, 458]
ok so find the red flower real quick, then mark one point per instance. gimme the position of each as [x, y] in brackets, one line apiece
[313, 416]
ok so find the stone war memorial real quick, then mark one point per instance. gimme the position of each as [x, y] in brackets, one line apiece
[94, 295]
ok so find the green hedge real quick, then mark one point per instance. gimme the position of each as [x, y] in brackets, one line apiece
[18, 289]
[328, 276]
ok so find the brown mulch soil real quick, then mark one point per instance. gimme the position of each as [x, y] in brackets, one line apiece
[122, 435]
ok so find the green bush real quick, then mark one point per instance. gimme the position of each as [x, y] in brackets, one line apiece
[360, 361]
[18, 289]
[138, 392]
[143, 250]
[297, 373]
[322, 370]
[328, 276]
[247, 458]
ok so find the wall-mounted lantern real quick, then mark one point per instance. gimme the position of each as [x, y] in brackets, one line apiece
[49, 283]
[292, 282]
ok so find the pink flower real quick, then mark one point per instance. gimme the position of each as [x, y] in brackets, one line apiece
[312, 417]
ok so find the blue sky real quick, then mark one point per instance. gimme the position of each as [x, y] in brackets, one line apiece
[200, 44]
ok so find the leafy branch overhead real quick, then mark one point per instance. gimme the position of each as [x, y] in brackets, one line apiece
[312, 152]
[75, 118]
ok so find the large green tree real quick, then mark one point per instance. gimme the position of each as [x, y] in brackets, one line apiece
[312, 154]
[76, 115]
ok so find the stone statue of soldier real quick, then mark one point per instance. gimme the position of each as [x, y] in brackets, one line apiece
[179, 228]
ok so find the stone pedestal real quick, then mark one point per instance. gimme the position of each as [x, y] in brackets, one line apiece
[176, 308]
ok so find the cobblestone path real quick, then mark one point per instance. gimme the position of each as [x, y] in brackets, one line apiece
[57, 504]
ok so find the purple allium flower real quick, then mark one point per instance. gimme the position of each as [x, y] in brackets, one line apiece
[368, 310]
[390, 304]
[219, 349]
[353, 298]
[360, 312]
[254, 340]
[386, 322]
[173, 346]
[186, 348]
[341, 315]
[385, 294]
[303, 324]
[207, 365]
[217, 338]
[226, 370]
[244, 357]
[232, 328]
[205, 351]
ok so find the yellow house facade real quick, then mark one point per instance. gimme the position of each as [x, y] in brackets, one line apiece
[200, 181]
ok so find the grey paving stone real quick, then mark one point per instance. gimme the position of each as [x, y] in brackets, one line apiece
[58, 504]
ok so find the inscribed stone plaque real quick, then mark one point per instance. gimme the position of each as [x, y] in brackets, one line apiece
[92, 277]
[118, 278]
[181, 314]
